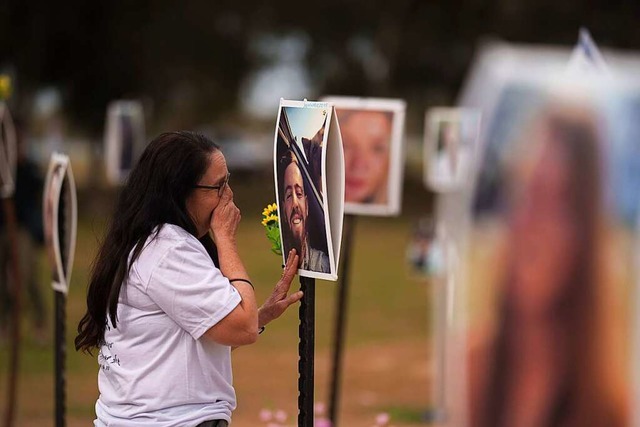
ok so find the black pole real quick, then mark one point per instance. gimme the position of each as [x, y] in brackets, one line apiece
[60, 358]
[61, 311]
[306, 353]
[12, 232]
[340, 324]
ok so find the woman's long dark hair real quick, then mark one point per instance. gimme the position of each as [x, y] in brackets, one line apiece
[155, 194]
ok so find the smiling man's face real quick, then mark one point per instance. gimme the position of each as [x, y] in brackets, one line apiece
[295, 203]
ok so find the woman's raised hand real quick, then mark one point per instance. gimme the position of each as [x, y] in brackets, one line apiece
[278, 301]
[226, 217]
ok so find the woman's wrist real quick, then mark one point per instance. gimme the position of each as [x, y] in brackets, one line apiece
[224, 241]
[262, 318]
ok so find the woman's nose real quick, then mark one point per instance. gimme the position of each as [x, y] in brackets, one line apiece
[360, 162]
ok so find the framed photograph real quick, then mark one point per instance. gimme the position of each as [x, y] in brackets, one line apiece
[538, 126]
[309, 174]
[124, 139]
[450, 147]
[60, 220]
[372, 133]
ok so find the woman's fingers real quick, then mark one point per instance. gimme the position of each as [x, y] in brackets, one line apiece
[293, 298]
[290, 270]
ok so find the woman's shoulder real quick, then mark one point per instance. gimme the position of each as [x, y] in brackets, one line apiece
[172, 232]
[170, 235]
[165, 240]
[167, 245]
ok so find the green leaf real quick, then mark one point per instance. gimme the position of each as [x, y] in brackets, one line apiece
[273, 234]
[276, 251]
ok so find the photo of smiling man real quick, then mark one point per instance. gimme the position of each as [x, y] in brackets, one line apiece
[299, 147]
[296, 216]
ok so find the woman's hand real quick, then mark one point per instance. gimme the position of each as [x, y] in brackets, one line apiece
[278, 301]
[226, 217]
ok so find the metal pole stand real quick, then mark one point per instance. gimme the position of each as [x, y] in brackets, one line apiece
[306, 350]
[60, 221]
[340, 324]
[16, 307]
[60, 356]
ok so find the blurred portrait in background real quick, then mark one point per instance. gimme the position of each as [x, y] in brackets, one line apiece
[554, 356]
[372, 131]
[447, 155]
[124, 138]
[366, 136]
[127, 141]
[449, 147]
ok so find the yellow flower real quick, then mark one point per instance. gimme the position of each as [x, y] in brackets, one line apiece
[271, 219]
[270, 222]
[270, 209]
[5, 86]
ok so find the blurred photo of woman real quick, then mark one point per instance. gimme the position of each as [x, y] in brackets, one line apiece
[366, 136]
[553, 359]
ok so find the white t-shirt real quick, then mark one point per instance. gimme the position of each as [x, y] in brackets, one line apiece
[155, 369]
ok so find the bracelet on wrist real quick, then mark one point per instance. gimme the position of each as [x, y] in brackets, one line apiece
[243, 280]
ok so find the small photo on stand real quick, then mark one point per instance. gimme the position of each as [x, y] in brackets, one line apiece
[124, 139]
[450, 147]
[372, 135]
[425, 252]
[60, 219]
[53, 186]
[305, 183]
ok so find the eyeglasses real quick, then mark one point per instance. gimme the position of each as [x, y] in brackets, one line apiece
[220, 187]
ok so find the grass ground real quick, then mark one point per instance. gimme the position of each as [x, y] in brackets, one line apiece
[387, 358]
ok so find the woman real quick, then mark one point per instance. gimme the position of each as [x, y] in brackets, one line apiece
[366, 136]
[552, 361]
[166, 302]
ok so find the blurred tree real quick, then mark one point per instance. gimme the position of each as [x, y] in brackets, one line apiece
[191, 58]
